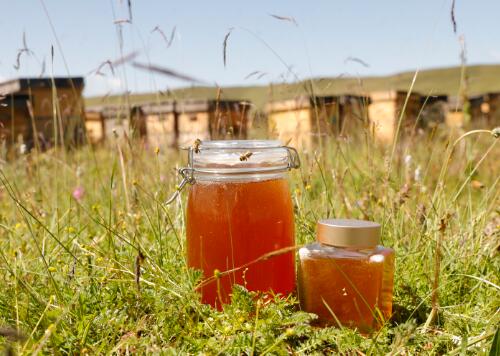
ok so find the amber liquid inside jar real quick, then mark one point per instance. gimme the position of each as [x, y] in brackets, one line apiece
[348, 287]
[233, 220]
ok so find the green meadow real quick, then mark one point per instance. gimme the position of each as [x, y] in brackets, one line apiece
[92, 261]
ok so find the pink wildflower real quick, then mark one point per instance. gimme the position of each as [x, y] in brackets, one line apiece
[78, 193]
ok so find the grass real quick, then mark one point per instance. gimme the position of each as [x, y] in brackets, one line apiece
[88, 271]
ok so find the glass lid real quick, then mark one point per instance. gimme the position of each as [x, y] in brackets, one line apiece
[230, 157]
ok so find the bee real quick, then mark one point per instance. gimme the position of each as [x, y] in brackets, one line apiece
[196, 145]
[245, 156]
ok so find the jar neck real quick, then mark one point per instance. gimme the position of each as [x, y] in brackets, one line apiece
[238, 178]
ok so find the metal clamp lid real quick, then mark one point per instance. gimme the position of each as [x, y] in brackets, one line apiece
[246, 149]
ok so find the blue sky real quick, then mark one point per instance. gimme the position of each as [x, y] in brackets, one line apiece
[390, 36]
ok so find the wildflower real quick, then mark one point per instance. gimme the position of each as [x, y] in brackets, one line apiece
[79, 171]
[70, 229]
[23, 148]
[135, 182]
[308, 187]
[78, 193]
[289, 332]
[52, 269]
[476, 184]
[418, 174]
[157, 150]
[17, 226]
[297, 192]
[216, 273]
[50, 329]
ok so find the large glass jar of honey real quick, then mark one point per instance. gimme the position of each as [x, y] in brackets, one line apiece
[346, 278]
[239, 212]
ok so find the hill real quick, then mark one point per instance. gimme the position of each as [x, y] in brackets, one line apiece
[446, 81]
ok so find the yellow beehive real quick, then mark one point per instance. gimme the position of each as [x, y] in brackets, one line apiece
[386, 109]
[211, 119]
[94, 125]
[303, 120]
[120, 121]
[161, 123]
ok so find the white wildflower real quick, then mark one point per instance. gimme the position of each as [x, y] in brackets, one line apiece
[418, 174]
[457, 340]
[79, 171]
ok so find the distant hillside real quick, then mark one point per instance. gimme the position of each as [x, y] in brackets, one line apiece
[481, 79]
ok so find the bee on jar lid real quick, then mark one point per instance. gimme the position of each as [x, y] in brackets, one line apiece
[196, 145]
[245, 156]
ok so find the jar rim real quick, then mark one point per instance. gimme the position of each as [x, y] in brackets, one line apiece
[240, 159]
[240, 144]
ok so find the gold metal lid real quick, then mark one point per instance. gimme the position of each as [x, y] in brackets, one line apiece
[348, 233]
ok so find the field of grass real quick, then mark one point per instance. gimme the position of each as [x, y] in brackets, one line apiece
[92, 261]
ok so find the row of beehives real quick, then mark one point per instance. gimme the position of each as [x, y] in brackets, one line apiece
[169, 123]
[300, 121]
[304, 119]
[47, 111]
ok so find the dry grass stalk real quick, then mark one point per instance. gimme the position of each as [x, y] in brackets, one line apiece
[264, 257]
[224, 46]
[138, 262]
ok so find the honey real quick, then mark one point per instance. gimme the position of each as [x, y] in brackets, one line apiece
[345, 278]
[233, 221]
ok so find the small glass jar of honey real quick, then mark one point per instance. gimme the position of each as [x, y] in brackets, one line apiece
[346, 278]
[240, 216]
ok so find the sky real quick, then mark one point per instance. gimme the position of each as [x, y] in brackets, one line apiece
[310, 39]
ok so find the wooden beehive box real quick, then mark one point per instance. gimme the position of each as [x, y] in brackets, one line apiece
[55, 105]
[493, 109]
[211, 119]
[161, 123]
[304, 120]
[385, 110]
[94, 126]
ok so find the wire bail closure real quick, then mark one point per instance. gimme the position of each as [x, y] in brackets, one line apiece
[187, 173]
